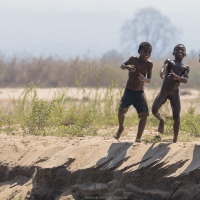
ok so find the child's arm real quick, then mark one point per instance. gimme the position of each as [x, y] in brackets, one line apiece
[149, 73]
[142, 78]
[178, 78]
[164, 68]
[130, 68]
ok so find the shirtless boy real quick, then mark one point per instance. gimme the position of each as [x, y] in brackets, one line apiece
[140, 70]
[173, 73]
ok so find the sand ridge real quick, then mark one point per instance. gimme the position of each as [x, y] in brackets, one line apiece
[31, 164]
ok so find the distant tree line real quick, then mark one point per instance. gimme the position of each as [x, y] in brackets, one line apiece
[53, 72]
[77, 72]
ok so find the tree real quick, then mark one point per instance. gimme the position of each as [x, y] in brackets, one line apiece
[112, 55]
[149, 25]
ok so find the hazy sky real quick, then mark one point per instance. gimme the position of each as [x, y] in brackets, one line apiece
[69, 28]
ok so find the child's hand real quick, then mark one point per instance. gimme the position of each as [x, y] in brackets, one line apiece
[162, 75]
[131, 68]
[172, 76]
[141, 77]
[164, 69]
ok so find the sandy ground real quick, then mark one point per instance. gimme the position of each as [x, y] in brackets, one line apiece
[88, 167]
[49, 93]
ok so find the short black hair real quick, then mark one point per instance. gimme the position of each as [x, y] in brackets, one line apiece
[144, 44]
[179, 45]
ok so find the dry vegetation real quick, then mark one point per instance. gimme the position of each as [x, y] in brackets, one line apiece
[63, 110]
[57, 72]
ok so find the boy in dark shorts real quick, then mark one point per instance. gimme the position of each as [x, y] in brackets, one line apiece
[173, 73]
[140, 70]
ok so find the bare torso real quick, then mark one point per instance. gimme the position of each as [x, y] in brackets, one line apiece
[143, 68]
[169, 85]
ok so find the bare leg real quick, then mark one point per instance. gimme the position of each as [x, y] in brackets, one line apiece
[176, 129]
[121, 117]
[141, 126]
[161, 124]
[176, 108]
[158, 102]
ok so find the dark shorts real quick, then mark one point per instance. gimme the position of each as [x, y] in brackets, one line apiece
[136, 99]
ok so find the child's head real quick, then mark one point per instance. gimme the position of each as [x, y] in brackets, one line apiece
[144, 45]
[178, 48]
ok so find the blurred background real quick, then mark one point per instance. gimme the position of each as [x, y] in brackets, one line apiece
[59, 43]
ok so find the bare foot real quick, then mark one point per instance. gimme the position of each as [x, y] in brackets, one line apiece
[174, 140]
[138, 140]
[161, 126]
[118, 134]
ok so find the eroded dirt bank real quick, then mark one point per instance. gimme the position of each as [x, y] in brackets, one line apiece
[97, 168]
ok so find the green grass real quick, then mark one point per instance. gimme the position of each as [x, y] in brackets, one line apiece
[61, 115]
[85, 114]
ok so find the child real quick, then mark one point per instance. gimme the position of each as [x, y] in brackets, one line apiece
[140, 70]
[173, 73]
